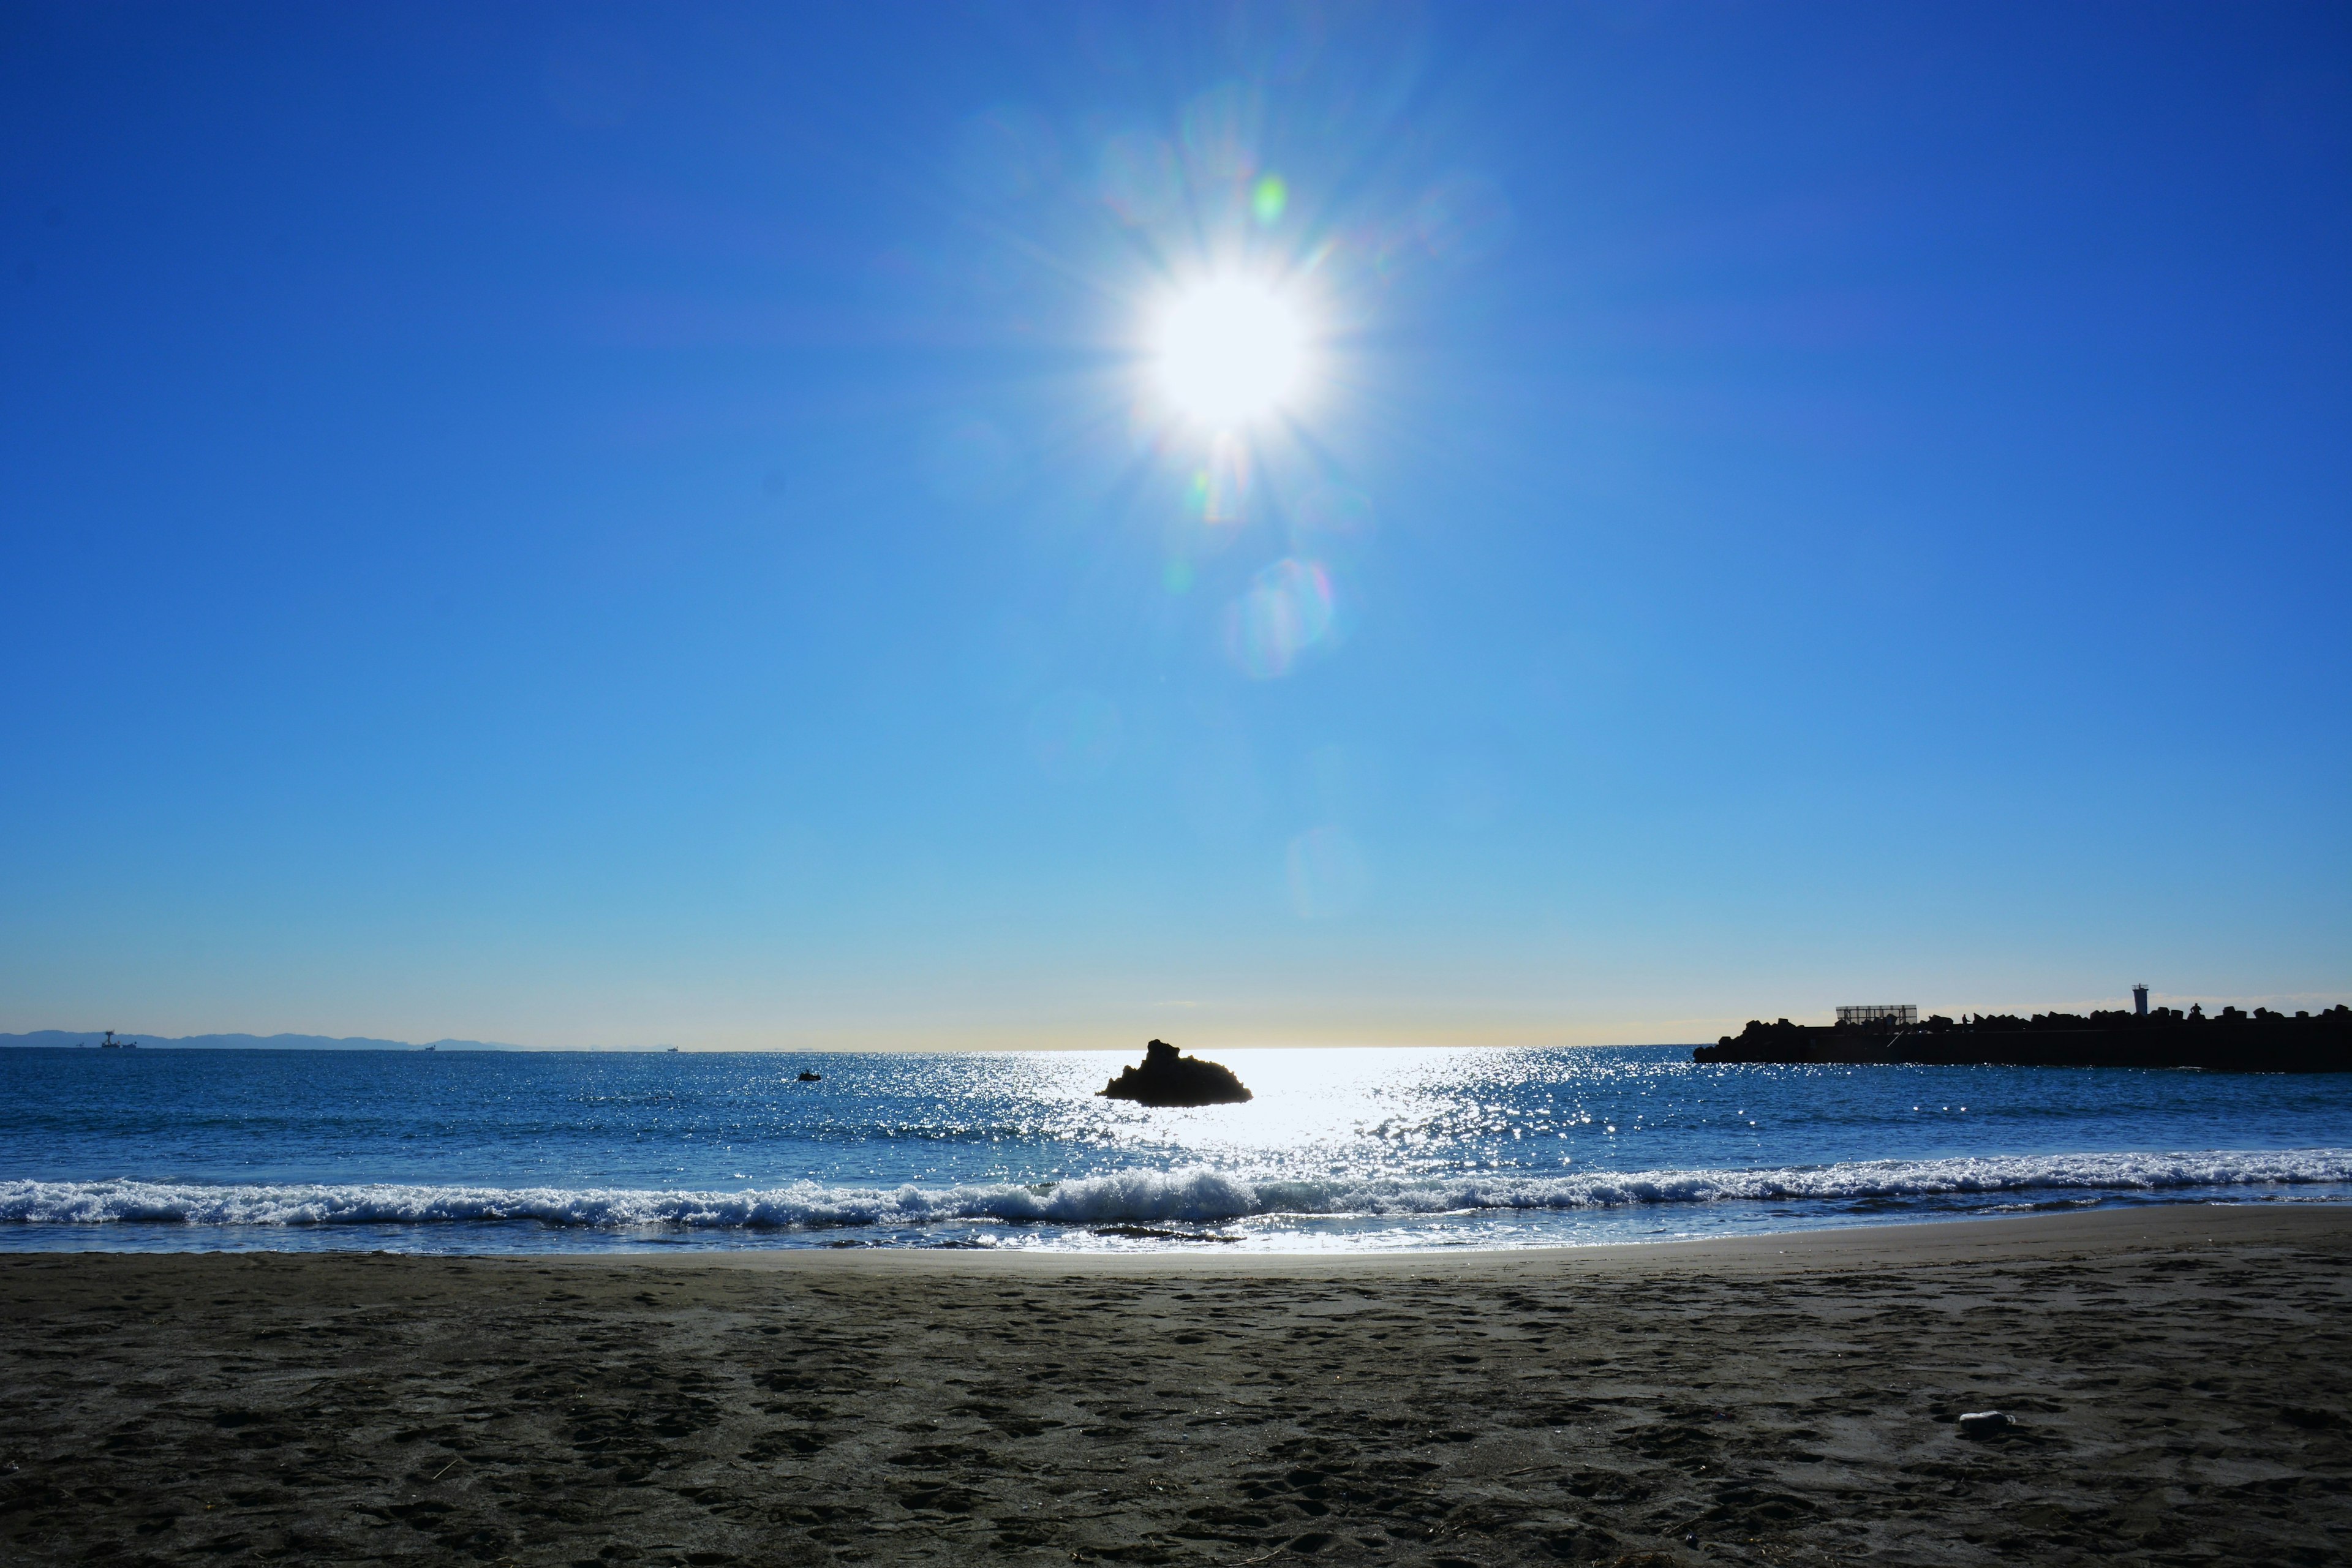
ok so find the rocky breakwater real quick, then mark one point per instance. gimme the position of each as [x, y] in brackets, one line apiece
[1168, 1076]
[2229, 1041]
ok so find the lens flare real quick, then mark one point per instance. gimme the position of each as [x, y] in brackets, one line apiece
[1229, 350]
[1268, 198]
[1289, 608]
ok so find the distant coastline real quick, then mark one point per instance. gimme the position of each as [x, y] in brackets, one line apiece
[67, 1039]
[2232, 1041]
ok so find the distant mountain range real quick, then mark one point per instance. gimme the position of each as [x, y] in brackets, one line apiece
[67, 1038]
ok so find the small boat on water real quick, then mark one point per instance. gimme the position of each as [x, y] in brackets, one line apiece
[111, 1043]
[808, 1076]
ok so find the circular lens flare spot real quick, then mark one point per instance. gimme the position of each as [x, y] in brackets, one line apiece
[1269, 198]
[1288, 609]
[1229, 350]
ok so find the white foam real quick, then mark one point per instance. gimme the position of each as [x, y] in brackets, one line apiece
[1191, 1193]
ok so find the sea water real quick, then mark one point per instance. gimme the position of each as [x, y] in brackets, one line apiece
[1372, 1149]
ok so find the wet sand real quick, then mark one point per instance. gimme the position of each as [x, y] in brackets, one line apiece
[2181, 1378]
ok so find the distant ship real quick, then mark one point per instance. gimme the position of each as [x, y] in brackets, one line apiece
[2228, 1041]
[111, 1043]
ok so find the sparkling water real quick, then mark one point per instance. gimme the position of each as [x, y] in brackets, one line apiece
[1340, 1149]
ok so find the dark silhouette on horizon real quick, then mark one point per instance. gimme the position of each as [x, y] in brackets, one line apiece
[2231, 1040]
[1168, 1077]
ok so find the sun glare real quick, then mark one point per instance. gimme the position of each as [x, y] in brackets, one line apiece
[1230, 350]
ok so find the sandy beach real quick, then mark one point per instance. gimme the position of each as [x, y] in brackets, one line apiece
[2180, 1380]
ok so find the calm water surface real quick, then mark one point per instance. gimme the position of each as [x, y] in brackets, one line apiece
[1341, 1149]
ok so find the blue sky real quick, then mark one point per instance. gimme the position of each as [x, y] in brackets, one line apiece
[648, 524]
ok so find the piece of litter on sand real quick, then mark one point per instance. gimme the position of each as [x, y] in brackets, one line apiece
[1983, 1423]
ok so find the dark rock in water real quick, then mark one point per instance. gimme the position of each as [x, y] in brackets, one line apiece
[1985, 1423]
[811, 1078]
[1168, 1077]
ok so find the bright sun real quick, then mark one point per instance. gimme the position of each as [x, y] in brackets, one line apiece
[1229, 350]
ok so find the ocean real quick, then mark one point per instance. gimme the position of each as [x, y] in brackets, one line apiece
[1341, 1150]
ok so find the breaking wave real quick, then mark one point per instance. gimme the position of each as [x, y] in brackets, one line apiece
[1194, 1193]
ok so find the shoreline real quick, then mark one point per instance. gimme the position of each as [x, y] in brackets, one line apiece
[1820, 1247]
[1981, 1238]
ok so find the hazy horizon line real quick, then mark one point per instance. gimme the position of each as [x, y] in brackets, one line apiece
[1502, 1039]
